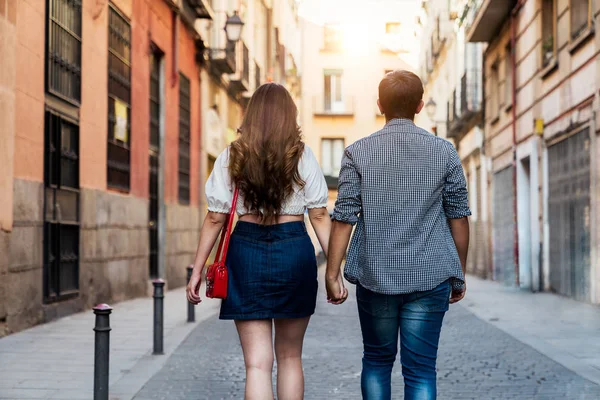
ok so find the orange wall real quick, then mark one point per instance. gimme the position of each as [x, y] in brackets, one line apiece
[188, 66]
[151, 20]
[29, 91]
[93, 124]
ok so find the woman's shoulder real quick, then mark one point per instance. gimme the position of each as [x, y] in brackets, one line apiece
[308, 154]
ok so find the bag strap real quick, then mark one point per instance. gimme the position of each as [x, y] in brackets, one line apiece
[226, 232]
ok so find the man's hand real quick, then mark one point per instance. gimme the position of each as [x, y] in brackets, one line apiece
[336, 291]
[458, 294]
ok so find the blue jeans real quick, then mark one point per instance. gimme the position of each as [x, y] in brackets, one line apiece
[418, 318]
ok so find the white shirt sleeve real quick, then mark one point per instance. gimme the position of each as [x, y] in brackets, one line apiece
[219, 193]
[315, 188]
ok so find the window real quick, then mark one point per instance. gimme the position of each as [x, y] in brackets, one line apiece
[333, 38]
[61, 214]
[494, 93]
[119, 101]
[580, 17]
[333, 91]
[184, 139]
[64, 49]
[508, 77]
[332, 151]
[392, 28]
[548, 31]
[257, 75]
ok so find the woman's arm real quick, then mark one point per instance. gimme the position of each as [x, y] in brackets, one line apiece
[319, 219]
[213, 223]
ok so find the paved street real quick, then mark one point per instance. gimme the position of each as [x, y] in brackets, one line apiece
[477, 361]
[497, 344]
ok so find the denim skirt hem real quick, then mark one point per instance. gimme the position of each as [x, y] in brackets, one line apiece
[251, 317]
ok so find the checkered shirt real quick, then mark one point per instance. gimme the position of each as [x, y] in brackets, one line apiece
[400, 186]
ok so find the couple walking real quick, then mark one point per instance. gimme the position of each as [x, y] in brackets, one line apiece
[404, 191]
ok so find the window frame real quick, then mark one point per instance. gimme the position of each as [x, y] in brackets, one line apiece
[185, 118]
[118, 149]
[56, 222]
[331, 179]
[335, 45]
[396, 24]
[495, 94]
[54, 28]
[554, 17]
[336, 91]
[584, 30]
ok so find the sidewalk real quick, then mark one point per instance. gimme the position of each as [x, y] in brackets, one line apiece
[564, 330]
[56, 360]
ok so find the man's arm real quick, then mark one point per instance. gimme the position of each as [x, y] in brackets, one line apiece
[456, 208]
[347, 208]
[460, 234]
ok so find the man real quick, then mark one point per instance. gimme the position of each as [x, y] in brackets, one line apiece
[405, 191]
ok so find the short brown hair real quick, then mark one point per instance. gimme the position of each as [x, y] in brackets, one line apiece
[400, 93]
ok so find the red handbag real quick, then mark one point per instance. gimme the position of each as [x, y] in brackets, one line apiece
[217, 274]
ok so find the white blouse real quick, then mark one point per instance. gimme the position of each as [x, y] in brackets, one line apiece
[219, 191]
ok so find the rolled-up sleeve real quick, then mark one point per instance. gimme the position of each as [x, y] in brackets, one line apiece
[348, 204]
[455, 196]
[315, 187]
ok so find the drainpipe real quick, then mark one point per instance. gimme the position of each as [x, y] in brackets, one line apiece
[175, 47]
[513, 60]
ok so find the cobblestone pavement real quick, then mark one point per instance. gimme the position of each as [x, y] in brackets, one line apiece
[476, 361]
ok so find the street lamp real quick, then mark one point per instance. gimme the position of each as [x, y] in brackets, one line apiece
[233, 27]
[233, 32]
[430, 108]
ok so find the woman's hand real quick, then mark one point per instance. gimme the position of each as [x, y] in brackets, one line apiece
[193, 287]
[336, 291]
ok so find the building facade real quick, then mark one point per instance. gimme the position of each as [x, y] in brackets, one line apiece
[541, 82]
[103, 109]
[346, 54]
[451, 70]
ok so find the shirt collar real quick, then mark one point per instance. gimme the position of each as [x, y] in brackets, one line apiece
[400, 122]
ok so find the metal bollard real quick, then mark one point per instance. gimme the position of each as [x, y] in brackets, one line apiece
[191, 310]
[159, 296]
[101, 351]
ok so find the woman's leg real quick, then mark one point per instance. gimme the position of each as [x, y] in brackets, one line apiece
[256, 338]
[289, 337]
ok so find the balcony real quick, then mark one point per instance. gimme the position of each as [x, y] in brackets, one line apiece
[195, 9]
[223, 61]
[326, 106]
[466, 108]
[240, 82]
[488, 16]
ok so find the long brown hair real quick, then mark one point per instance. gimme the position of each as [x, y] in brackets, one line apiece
[263, 161]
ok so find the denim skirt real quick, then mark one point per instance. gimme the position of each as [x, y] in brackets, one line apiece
[272, 272]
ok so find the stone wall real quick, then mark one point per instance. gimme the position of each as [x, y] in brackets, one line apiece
[24, 277]
[183, 233]
[114, 247]
[113, 256]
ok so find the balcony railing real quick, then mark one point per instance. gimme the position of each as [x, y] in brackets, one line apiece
[223, 60]
[466, 104]
[240, 82]
[326, 106]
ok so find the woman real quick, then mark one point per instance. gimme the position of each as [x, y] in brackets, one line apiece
[271, 259]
